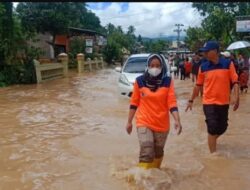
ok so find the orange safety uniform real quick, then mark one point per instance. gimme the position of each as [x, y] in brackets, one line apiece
[153, 107]
[216, 79]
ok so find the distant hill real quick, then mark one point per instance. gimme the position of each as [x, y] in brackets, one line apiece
[164, 38]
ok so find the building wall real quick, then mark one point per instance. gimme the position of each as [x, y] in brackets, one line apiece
[45, 47]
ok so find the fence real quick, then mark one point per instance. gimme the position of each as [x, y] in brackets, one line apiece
[88, 64]
[49, 71]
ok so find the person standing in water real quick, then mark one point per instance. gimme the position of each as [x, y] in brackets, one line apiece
[152, 99]
[215, 75]
[195, 66]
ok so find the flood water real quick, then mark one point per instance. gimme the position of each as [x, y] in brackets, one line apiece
[69, 134]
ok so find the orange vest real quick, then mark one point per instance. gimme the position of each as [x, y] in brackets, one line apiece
[216, 79]
[153, 107]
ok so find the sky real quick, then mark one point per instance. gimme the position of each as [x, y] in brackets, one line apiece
[149, 19]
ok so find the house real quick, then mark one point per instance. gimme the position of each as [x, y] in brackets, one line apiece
[94, 42]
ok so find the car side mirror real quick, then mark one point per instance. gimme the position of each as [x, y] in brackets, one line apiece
[118, 69]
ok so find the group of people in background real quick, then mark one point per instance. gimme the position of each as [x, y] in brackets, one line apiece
[241, 65]
[188, 67]
[184, 67]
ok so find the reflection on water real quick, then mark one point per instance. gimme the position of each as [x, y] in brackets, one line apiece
[69, 134]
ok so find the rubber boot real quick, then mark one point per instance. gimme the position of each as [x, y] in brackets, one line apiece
[147, 165]
[144, 165]
[157, 162]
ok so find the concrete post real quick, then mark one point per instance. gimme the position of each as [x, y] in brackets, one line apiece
[96, 63]
[80, 62]
[90, 65]
[63, 57]
[102, 62]
[38, 72]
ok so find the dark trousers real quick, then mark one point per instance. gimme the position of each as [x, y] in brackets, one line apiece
[183, 76]
[216, 118]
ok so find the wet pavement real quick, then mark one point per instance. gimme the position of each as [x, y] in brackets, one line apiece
[69, 133]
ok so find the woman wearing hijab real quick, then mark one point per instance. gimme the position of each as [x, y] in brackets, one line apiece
[152, 99]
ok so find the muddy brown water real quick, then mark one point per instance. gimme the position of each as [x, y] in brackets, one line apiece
[69, 134]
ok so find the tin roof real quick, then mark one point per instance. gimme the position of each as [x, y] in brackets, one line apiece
[85, 31]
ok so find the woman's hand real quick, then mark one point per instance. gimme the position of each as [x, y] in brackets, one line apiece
[129, 128]
[178, 127]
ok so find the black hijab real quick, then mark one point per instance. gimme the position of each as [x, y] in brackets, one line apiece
[152, 82]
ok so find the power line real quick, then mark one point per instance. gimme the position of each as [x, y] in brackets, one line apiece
[178, 30]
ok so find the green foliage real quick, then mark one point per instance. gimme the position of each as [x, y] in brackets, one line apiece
[76, 45]
[54, 18]
[18, 74]
[155, 46]
[233, 8]
[6, 32]
[219, 23]
[139, 39]
[91, 21]
[22, 71]
[112, 51]
[158, 46]
[117, 40]
[195, 38]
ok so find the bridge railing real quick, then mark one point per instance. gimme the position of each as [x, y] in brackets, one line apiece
[89, 64]
[49, 71]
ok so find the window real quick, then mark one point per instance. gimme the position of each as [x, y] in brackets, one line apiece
[135, 65]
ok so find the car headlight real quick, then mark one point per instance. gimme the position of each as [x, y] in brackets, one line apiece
[123, 79]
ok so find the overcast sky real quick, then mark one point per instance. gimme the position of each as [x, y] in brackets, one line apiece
[149, 19]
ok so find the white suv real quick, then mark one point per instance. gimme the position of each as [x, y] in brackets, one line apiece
[133, 67]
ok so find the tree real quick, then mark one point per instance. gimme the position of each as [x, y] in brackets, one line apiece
[158, 46]
[221, 18]
[110, 28]
[131, 38]
[90, 21]
[220, 25]
[112, 51]
[6, 40]
[139, 39]
[119, 29]
[195, 38]
[234, 8]
[131, 30]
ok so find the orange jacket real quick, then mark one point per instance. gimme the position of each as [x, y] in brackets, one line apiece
[153, 107]
[188, 66]
[216, 79]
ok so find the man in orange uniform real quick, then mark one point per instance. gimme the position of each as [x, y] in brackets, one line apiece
[215, 75]
[152, 99]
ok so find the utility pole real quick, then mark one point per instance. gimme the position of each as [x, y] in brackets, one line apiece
[178, 30]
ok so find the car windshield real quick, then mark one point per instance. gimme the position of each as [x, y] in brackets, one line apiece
[135, 65]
